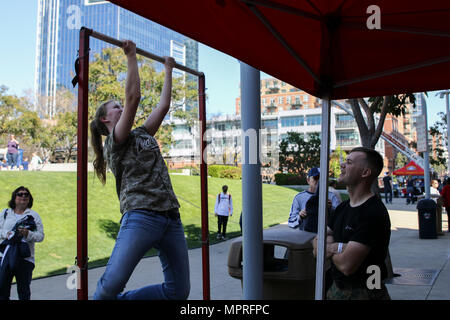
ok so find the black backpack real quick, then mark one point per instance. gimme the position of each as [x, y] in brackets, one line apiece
[310, 223]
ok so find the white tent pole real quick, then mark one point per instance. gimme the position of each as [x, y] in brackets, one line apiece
[252, 236]
[323, 199]
[426, 154]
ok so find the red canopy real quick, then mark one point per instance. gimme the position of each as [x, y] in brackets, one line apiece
[411, 169]
[322, 46]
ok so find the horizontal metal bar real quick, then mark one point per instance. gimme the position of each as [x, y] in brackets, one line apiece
[144, 53]
[399, 29]
[283, 42]
[393, 71]
[284, 8]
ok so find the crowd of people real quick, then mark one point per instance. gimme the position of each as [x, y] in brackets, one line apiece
[12, 161]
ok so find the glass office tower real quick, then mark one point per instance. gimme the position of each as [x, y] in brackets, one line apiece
[58, 25]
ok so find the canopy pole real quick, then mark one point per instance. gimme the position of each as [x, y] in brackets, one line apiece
[252, 247]
[82, 136]
[323, 200]
[426, 154]
[204, 189]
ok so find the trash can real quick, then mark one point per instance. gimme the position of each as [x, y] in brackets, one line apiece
[427, 219]
[288, 276]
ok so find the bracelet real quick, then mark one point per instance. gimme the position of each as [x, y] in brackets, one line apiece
[340, 245]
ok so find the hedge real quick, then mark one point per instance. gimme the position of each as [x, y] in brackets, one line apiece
[221, 171]
[284, 179]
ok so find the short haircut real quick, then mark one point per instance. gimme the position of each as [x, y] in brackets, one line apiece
[225, 188]
[373, 158]
[12, 202]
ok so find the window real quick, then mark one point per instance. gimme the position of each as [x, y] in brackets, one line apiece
[344, 117]
[313, 120]
[181, 130]
[183, 144]
[292, 121]
[280, 100]
[288, 100]
[347, 138]
[270, 124]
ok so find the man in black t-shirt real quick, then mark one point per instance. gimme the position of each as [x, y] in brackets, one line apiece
[359, 232]
[387, 181]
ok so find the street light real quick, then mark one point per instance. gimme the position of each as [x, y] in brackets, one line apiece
[441, 95]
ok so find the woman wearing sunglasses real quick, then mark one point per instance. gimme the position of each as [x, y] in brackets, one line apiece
[149, 207]
[15, 223]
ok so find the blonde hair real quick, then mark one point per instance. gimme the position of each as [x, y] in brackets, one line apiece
[99, 129]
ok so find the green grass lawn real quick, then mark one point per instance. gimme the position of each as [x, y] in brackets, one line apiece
[54, 196]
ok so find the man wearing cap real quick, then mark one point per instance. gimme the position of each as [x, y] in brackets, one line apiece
[298, 208]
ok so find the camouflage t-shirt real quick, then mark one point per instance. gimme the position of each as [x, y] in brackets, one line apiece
[142, 178]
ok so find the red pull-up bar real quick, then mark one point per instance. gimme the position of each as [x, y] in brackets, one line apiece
[83, 92]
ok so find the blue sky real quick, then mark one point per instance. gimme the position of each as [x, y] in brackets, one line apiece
[17, 60]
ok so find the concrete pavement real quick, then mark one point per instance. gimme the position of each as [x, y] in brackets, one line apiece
[424, 266]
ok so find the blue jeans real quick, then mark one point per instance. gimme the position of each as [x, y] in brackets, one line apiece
[388, 195]
[11, 159]
[140, 231]
[23, 274]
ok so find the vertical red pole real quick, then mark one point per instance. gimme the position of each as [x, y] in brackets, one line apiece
[83, 90]
[204, 188]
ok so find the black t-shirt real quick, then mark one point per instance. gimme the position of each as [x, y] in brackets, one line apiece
[368, 224]
[386, 182]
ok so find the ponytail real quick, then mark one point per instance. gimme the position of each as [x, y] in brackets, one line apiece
[98, 129]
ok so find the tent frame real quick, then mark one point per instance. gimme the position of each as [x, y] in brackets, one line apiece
[82, 142]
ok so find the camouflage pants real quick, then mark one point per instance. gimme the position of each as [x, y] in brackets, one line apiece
[348, 292]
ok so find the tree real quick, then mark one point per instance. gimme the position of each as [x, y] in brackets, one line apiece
[400, 160]
[369, 129]
[107, 82]
[378, 107]
[297, 154]
[438, 161]
[335, 162]
[16, 117]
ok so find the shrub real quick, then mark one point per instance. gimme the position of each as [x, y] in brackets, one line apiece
[289, 179]
[229, 172]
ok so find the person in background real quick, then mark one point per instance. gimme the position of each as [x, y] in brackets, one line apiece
[298, 207]
[12, 224]
[223, 209]
[332, 188]
[410, 191]
[446, 199]
[4, 165]
[35, 161]
[13, 152]
[387, 181]
[25, 164]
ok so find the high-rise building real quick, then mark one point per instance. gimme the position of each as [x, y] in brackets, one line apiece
[58, 25]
